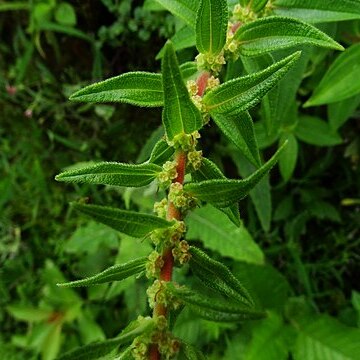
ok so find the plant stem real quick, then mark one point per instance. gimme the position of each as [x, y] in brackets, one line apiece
[166, 272]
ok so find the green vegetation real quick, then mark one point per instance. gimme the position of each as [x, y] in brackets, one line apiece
[252, 251]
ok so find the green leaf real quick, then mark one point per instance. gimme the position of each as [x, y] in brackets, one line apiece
[136, 88]
[258, 5]
[214, 309]
[183, 9]
[288, 158]
[317, 11]
[189, 352]
[180, 114]
[211, 26]
[65, 14]
[127, 222]
[14, 6]
[218, 277]
[275, 32]
[98, 350]
[325, 338]
[182, 39]
[113, 273]
[27, 313]
[51, 344]
[315, 131]
[112, 173]
[218, 233]
[64, 29]
[338, 82]
[239, 129]
[238, 95]
[340, 112]
[209, 170]
[260, 195]
[225, 192]
[161, 153]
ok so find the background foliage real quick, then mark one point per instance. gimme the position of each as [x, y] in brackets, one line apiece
[300, 242]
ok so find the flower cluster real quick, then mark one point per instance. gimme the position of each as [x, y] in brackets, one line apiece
[168, 174]
[211, 62]
[181, 252]
[168, 236]
[158, 293]
[154, 265]
[181, 199]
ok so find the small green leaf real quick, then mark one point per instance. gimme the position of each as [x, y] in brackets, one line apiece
[339, 112]
[288, 158]
[100, 350]
[27, 313]
[161, 153]
[136, 88]
[65, 14]
[239, 129]
[183, 9]
[258, 5]
[208, 171]
[211, 26]
[338, 82]
[218, 277]
[275, 33]
[213, 308]
[51, 344]
[127, 222]
[113, 273]
[180, 114]
[225, 192]
[238, 95]
[112, 173]
[315, 131]
[219, 234]
[318, 11]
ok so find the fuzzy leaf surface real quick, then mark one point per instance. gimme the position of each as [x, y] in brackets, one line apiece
[113, 273]
[161, 153]
[241, 94]
[211, 26]
[239, 129]
[275, 33]
[214, 309]
[183, 9]
[258, 5]
[136, 88]
[218, 277]
[219, 234]
[112, 173]
[338, 82]
[180, 115]
[318, 11]
[127, 222]
[225, 192]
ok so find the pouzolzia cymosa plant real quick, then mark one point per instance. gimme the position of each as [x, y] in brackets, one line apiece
[191, 94]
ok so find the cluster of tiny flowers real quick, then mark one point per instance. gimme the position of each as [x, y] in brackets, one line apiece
[160, 208]
[154, 265]
[243, 14]
[181, 199]
[140, 348]
[231, 46]
[185, 142]
[168, 345]
[211, 62]
[168, 174]
[157, 293]
[195, 159]
[181, 252]
[168, 236]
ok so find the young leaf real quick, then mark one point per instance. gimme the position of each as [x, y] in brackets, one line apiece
[101, 350]
[219, 234]
[318, 11]
[209, 170]
[179, 114]
[161, 153]
[218, 277]
[127, 222]
[113, 273]
[225, 192]
[211, 26]
[136, 88]
[239, 129]
[214, 309]
[29, 314]
[275, 32]
[338, 82]
[183, 9]
[112, 173]
[315, 131]
[288, 158]
[238, 95]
